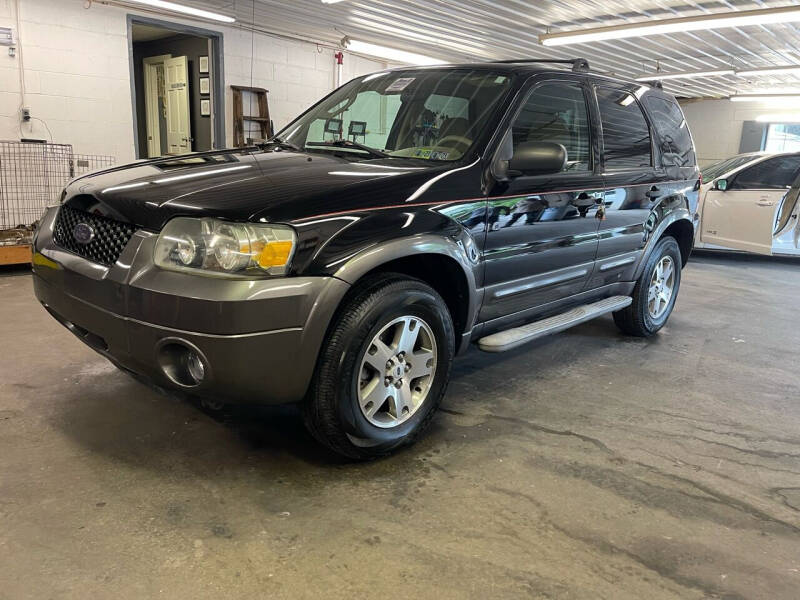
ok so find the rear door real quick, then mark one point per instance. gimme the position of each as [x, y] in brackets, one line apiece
[633, 181]
[744, 216]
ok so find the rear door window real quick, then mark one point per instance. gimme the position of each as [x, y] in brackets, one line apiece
[772, 174]
[626, 134]
[675, 141]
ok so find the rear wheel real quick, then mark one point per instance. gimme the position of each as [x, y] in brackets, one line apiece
[655, 292]
[383, 369]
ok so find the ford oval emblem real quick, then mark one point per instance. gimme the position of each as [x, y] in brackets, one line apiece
[83, 233]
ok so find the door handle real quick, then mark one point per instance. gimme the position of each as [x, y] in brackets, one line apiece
[765, 202]
[653, 193]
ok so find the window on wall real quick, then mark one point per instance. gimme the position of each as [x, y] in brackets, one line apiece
[556, 112]
[626, 134]
[782, 137]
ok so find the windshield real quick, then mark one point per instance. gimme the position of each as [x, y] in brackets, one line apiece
[434, 114]
[727, 165]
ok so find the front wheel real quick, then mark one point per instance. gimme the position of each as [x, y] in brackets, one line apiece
[655, 293]
[383, 369]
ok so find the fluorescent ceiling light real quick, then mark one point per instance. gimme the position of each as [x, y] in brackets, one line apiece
[187, 10]
[742, 18]
[763, 97]
[769, 71]
[392, 53]
[688, 75]
[769, 91]
[779, 118]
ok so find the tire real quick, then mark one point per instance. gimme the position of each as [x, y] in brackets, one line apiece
[338, 410]
[646, 315]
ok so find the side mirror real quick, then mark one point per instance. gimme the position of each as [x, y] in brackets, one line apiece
[721, 185]
[537, 158]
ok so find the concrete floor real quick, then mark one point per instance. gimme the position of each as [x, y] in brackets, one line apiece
[588, 465]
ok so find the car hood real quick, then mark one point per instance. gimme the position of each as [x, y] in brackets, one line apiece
[238, 185]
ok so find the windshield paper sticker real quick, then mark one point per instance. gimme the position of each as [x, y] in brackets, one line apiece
[429, 154]
[398, 85]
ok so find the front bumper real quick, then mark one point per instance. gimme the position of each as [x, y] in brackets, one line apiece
[258, 339]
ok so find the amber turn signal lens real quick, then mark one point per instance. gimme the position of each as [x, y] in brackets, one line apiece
[274, 254]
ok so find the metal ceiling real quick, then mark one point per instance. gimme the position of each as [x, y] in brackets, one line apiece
[463, 30]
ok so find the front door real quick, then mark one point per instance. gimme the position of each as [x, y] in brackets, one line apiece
[542, 232]
[744, 216]
[178, 125]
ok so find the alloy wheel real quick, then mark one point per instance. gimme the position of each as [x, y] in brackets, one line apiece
[397, 371]
[662, 287]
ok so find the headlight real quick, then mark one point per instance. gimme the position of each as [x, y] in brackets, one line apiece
[224, 248]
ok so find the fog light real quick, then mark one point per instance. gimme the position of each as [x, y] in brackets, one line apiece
[182, 363]
[194, 364]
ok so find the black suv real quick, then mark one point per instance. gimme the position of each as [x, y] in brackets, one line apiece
[346, 261]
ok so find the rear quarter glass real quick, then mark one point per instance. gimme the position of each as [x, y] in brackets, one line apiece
[674, 140]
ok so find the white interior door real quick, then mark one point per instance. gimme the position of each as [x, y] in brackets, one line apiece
[744, 216]
[152, 67]
[178, 126]
[741, 219]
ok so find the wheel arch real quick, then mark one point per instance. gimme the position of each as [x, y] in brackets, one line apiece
[446, 264]
[683, 232]
[678, 225]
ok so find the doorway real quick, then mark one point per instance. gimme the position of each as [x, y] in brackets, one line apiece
[176, 75]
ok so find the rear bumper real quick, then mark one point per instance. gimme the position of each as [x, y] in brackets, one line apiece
[258, 340]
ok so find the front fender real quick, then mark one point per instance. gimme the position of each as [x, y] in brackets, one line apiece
[371, 241]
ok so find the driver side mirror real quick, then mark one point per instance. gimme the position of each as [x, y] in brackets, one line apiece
[721, 185]
[537, 158]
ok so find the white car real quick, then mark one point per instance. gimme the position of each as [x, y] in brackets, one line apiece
[749, 202]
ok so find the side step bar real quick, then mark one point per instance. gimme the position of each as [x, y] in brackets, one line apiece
[511, 338]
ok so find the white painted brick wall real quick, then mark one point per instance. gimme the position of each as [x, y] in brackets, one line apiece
[716, 125]
[77, 75]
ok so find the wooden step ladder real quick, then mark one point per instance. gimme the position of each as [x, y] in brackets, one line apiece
[239, 117]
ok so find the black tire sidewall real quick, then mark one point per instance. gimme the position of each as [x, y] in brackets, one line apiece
[412, 299]
[666, 247]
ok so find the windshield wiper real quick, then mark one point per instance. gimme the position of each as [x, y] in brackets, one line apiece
[349, 144]
[281, 144]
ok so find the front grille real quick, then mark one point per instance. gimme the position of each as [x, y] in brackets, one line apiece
[109, 240]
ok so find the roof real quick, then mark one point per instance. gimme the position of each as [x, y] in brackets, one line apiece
[525, 67]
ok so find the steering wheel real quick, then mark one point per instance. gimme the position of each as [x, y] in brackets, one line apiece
[456, 142]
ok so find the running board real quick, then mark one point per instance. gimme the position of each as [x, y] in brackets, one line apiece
[511, 338]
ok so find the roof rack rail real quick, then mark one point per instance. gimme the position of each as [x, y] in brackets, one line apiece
[579, 65]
